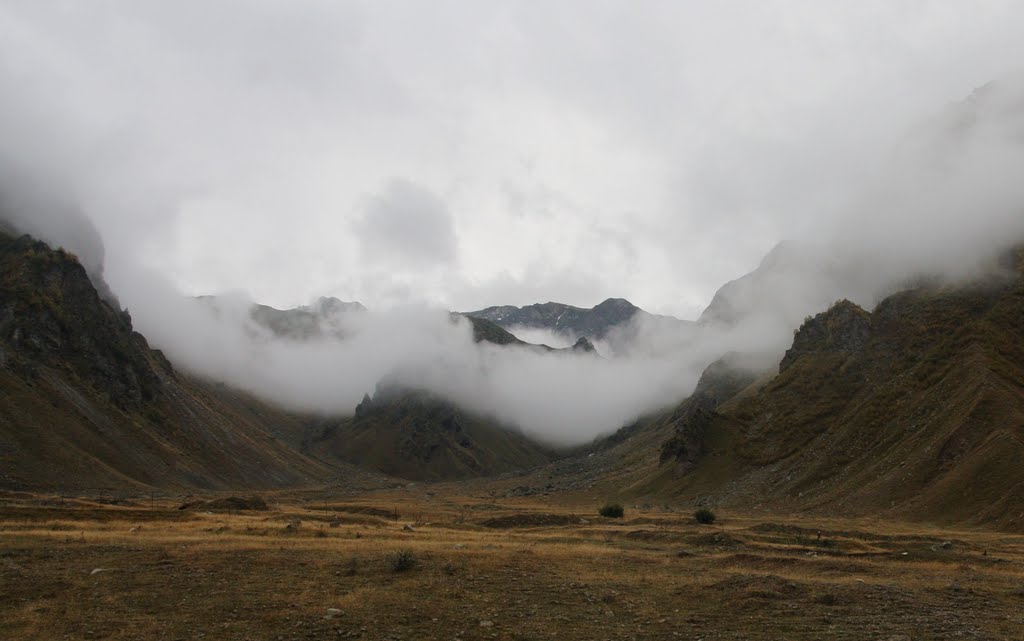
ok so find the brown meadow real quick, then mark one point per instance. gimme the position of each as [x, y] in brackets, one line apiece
[486, 568]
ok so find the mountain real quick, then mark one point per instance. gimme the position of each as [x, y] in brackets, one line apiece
[613, 318]
[936, 170]
[23, 196]
[414, 435]
[915, 409]
[82, 392]
[491, 332]
[558, 317]
[791, 281]
[85, 403]
[324, 318]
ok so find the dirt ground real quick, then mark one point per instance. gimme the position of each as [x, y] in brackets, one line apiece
[416, 566]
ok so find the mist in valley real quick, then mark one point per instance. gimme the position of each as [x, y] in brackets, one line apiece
[313, 170]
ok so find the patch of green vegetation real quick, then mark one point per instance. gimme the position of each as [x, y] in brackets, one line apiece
[612, 511]
[704, 516]
[402, 561]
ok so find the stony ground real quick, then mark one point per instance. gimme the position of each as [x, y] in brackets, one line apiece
[480, 568]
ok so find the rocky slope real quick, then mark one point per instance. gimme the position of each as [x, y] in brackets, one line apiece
[916, 408]
[86, 404]
[413, 435]
[80, 391]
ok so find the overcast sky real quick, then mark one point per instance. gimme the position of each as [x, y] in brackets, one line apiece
[474, 153]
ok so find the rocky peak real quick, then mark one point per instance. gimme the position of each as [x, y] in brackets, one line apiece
[488, 331]
[584, 345]
[330, 306]
[320, 319]
[567, 319]
[845, 327]
[51, 314]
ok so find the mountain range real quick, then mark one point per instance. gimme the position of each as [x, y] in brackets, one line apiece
[595, 323]
[85, 403]
[914, 407]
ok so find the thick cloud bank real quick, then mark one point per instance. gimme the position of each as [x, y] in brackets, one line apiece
[559, 397]
[943, 204]
[462, 155]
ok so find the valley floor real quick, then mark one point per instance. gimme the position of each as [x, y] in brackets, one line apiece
[489, 568]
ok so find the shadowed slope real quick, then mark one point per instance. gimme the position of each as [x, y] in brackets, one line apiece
[414, 435]
[84, 402]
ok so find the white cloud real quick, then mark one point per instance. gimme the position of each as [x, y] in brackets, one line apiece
[704, 132]
[406, 226]
[571, 152]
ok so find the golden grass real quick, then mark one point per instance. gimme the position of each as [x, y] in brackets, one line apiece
[248, 576]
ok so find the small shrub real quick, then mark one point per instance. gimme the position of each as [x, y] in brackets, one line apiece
[403, 560]
[353, 567]
[705, 516]
[612, 511]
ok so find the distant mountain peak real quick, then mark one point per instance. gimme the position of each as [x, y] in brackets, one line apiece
[584, 345]
[321, 318]
[575, 322]
[329, 306]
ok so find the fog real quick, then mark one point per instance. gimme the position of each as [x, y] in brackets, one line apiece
[469, 155]
[543, 336]
[558, 397]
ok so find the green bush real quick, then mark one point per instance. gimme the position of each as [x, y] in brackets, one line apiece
[612, 511]
[403, 560]
[705, 516]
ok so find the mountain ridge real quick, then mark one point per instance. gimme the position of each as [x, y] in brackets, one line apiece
[594, 323]
[915, 408]
[82, 392]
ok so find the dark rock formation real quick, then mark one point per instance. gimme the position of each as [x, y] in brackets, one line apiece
[720, 381]
[51, 313]
[845, 327]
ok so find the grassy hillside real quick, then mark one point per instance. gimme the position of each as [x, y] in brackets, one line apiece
[85, 404]
[915, 409]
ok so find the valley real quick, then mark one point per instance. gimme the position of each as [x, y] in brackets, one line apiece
[463, 562]
[865, 486]
[484, 321]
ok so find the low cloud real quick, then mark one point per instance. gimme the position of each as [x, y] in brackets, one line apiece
[560, 398]
[571, 155]
[922, 215]
[405, 224]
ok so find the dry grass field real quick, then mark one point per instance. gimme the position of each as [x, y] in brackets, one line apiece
[484, 568]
